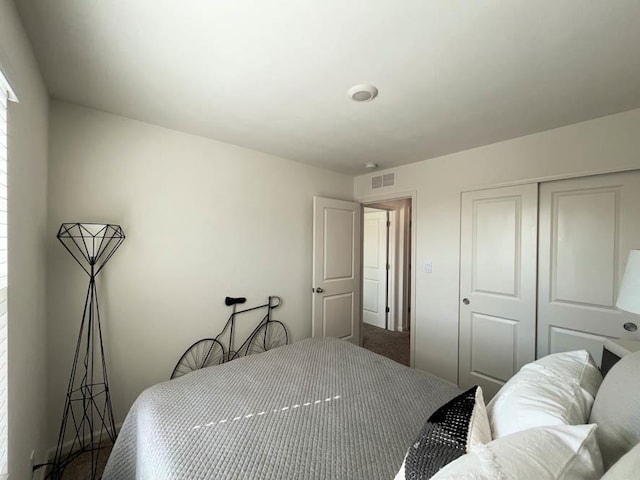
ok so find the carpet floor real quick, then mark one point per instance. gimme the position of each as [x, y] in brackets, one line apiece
[80, 467]
[393, 345]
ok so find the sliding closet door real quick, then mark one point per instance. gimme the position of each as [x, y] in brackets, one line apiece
[587, 227]
[497, 284]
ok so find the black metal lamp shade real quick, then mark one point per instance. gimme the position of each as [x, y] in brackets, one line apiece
[91, 244]
[87, 420]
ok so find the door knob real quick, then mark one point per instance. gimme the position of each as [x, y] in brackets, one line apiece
[466, 301]
[630, 327]
[319, 290]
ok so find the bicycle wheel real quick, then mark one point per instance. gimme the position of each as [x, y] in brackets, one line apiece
[271, 334]
[203, 353]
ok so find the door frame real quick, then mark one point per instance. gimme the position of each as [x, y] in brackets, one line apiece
[548, 178]
[398, 281]
[397, 195]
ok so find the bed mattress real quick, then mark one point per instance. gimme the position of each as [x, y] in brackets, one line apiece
[317, 409]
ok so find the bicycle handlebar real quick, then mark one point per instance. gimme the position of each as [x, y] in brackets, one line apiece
[274, 301]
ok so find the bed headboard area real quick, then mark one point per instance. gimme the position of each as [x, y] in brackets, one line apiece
[616, 409]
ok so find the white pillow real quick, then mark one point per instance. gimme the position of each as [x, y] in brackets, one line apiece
[577, 365]
[617, 409]
[558, 389]
[627, 467]
[545, 453]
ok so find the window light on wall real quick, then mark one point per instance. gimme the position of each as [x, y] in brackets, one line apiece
[6, 95]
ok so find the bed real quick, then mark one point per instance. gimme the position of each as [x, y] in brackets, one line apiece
[317, 409]
[327, 409]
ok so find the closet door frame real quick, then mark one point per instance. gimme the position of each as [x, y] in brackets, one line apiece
[463, 378]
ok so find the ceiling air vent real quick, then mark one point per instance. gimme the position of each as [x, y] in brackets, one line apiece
[385, 180]
[388, 179]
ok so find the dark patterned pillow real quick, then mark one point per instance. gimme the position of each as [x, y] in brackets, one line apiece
[448, 434]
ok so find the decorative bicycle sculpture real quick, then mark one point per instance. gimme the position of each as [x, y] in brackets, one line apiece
[211, 351]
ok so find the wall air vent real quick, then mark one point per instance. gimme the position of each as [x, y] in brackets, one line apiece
[384, 180]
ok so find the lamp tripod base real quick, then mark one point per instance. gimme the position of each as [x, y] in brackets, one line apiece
[87, 422]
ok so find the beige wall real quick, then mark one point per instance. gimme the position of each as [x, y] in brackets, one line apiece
[601, 145]
[203, 219]
[27, 150]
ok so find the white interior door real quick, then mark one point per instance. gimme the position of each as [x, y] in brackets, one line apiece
[497, 284]
[374, 258]
[587, 227]
[336, 269]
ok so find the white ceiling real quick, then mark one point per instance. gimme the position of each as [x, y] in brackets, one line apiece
[272, 75]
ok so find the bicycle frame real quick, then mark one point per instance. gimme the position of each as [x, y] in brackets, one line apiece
[231, 353]
[211, 351]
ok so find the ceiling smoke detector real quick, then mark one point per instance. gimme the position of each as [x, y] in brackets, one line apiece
[362, 93]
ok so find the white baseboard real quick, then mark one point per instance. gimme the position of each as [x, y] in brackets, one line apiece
[439, 378]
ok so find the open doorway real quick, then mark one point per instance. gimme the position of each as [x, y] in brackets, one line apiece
[386, 285]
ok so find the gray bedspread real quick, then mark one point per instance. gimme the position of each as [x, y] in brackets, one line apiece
[317, 409]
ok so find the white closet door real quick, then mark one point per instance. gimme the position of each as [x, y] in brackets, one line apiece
[587, 227]
[497, 284]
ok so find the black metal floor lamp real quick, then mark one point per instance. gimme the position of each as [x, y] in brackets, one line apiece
[88, 414]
